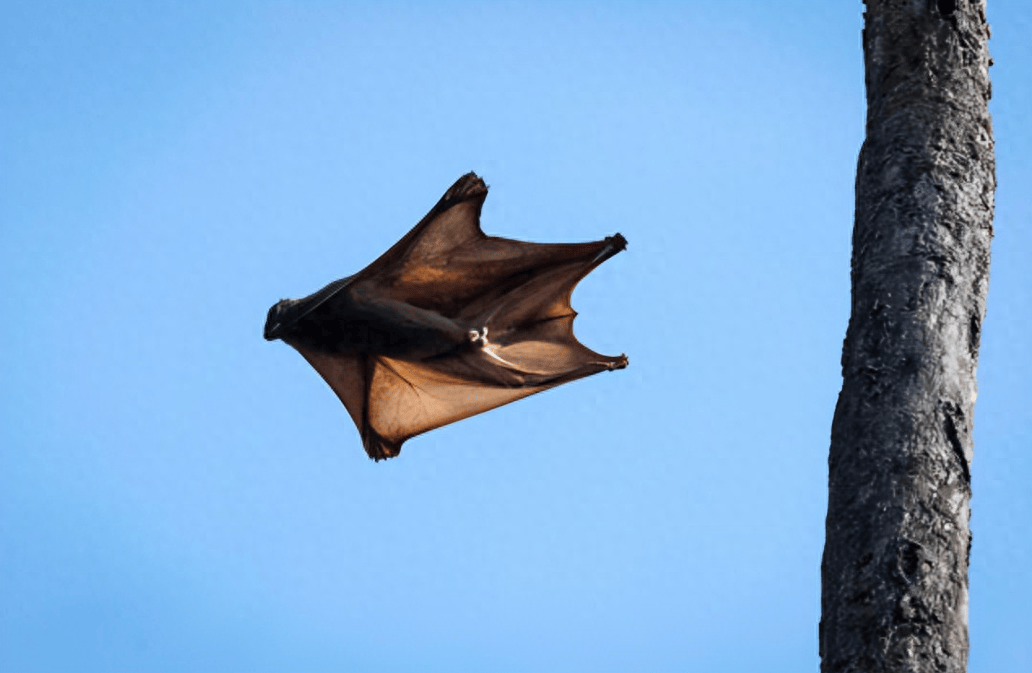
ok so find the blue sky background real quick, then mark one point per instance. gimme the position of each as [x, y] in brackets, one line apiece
[176, 494]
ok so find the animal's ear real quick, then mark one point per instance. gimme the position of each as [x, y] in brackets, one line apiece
[453, 221]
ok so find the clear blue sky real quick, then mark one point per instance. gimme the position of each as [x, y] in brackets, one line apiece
[176, 494]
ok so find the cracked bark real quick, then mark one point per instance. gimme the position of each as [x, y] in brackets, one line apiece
[894, 572]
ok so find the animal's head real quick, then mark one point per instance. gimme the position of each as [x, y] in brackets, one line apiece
[278, 318]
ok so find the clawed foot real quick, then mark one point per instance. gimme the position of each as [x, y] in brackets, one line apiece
[617, 241]
[614, 244]
[618, 364]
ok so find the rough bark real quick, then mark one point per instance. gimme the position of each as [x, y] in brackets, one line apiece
[894, 572]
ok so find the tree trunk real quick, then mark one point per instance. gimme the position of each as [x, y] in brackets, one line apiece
[894, 572]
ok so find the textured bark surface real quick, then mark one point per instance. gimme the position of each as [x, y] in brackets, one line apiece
[894, 572]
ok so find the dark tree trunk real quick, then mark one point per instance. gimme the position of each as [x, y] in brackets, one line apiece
[895, 564]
